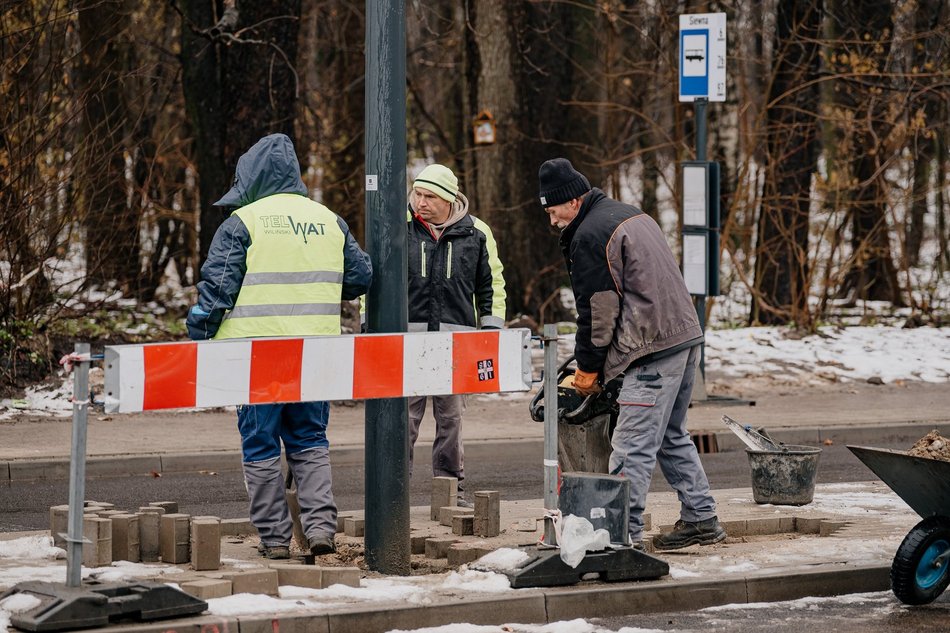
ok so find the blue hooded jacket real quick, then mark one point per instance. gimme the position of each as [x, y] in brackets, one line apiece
[268, 168]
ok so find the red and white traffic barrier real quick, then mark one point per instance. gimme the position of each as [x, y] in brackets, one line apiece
[355, 367]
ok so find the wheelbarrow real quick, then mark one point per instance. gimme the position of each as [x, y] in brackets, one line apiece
[919, 573]
[584, 423]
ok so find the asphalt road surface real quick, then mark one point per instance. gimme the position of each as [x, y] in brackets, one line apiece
[512, 468]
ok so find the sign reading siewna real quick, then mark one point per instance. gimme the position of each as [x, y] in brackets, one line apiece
[702, 56]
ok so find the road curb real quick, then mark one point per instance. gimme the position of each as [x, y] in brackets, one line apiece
[908, 432]
[31, 469]
[553, 605]
[57, 468]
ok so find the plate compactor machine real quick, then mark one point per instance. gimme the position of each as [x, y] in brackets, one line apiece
[587, 490]
[584, 423]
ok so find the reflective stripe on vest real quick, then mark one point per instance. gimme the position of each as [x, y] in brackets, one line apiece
[294, 278]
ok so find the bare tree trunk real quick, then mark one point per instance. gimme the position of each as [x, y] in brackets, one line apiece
[495, 35]
[914, 225]
[929, 51]
[111, 223]
[781, 269]
[941, 203]
[240, 83]
[524, 86]
[335, 34]
[862, 56]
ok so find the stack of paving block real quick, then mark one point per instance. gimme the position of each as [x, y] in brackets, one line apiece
[155, 532]
[482, 521]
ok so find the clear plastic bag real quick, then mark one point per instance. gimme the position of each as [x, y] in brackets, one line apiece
[579, 537]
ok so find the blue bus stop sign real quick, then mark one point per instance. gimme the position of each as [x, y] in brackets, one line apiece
[702, 57]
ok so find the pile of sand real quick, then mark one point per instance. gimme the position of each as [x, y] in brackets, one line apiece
[933, 446]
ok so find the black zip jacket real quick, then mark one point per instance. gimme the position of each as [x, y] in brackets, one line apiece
[455, 282]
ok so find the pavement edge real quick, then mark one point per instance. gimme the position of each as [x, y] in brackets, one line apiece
[550, 605]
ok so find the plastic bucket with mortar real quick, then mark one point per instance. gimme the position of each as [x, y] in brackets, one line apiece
[784, 476]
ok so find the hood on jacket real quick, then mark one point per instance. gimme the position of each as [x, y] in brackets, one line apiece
[269, 167]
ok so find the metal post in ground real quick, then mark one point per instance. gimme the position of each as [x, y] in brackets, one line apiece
[699, 109]
[550, 429]
[387, 420]
[77, 466]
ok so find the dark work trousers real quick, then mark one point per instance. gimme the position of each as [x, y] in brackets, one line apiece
[301, 427]
[652, 428]
[448, 456]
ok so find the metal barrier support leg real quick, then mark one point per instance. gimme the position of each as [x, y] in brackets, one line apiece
[550, 430]
[77, 466]
[75, 605]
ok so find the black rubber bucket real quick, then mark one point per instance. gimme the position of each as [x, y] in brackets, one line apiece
[784, 477]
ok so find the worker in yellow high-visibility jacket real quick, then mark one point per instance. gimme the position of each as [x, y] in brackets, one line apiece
[279, 266]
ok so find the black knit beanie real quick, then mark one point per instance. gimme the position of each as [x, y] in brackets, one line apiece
[560, 182]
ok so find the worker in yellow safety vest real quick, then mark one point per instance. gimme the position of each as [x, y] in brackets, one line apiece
[280, 266]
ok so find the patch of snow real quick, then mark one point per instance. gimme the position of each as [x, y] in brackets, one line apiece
[31, 547]
[676, 573]
[502, 559]
[480, 581]
[565, 626]
[809, 602]
[17, 603]
[741, 567]
[253, 603]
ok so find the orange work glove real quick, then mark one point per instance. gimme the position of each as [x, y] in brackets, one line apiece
[585, 383]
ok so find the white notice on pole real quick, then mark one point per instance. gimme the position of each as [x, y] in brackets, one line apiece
[694, 195]
[694, 263]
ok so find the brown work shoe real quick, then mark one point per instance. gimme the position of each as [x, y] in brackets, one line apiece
[686, 533]
[320, 545]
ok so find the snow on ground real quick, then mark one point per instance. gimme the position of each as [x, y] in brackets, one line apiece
[843, 502]
[810, 603]
[834, 354]
[566, 626]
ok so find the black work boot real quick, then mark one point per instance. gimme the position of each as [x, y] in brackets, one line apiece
[320, 545]
[686, 533]
[274, 552]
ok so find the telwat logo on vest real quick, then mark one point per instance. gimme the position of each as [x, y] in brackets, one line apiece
[284, 224]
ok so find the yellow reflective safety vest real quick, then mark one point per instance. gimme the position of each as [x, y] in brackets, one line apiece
[294, 277]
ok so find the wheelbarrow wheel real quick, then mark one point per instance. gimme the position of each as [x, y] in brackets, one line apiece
[919, 573]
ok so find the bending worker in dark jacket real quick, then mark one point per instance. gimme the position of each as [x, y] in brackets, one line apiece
[634, 317]
[455, 283]
[279, 266]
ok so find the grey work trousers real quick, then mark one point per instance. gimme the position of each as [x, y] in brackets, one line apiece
[448, 456]
[652, 428]
[267, 489]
